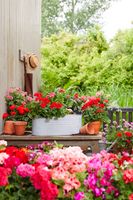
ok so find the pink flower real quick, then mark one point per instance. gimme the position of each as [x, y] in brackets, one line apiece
[3, 157]
[128, 176]
[71, 183]
[12, 162]
[29, 98]
[3, 143]
[9, 97]
[44, 159]
[25, 170]
[130, 197]
[79, 196]
[51, 95]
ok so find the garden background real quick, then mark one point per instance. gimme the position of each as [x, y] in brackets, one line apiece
[80, 56]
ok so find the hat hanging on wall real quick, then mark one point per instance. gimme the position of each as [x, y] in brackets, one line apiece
[33, 61]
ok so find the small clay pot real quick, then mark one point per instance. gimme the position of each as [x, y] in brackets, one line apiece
[91, 128]
[20, 127]
[9, 128]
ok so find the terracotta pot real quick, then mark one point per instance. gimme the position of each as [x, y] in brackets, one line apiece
[91, 128]
[9, 128]
[20, 127]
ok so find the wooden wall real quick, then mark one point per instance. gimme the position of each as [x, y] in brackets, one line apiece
[19, 29]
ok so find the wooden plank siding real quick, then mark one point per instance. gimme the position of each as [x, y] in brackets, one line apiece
[20, 22]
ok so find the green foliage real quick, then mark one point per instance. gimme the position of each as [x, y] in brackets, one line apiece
[90, 63]
[71, 15]
[18, 189]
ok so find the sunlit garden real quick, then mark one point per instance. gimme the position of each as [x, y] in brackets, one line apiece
[66, 102]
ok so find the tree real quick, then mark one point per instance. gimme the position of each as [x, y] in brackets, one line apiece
[71, 15]
[50, 13]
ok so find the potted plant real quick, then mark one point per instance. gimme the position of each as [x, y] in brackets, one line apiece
[94, 112]
[120, 137]
[17, 115]
[53, 115]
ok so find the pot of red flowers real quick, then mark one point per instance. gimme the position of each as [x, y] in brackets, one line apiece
[121, 136]
[17, 111]
[94, 112]
[52, 115]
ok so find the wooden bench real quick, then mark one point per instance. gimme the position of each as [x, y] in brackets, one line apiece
[86, 142]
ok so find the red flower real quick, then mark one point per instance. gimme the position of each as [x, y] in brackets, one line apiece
[26, 109]
[130, 197]
[106, 101]
[76, 96]
[5, 115]
[128, 176]
[4, 172]
[42, 181]
[43, 105]
[119, 134]
[56, 105]
[13, 113]
[128, 134]
[61, 90]
[11, 150]
[128, 141]
[22, 156]
[38, 96]
[12, 107]
[21, 110]
[11, 162]
[99, 111]
[45, 100]
[101, 105]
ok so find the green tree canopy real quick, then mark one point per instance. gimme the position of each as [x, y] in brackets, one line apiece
[88, 61]
[71, 15]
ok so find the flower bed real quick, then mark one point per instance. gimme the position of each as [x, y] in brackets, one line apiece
[51, 171]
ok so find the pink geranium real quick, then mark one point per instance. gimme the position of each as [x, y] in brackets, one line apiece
[3, 157]
[128, 176]
[25, 170]
[130, 197]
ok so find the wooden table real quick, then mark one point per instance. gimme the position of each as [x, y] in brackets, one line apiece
[86, 142]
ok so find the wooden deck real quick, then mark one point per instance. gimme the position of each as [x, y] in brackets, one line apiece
[86, 142]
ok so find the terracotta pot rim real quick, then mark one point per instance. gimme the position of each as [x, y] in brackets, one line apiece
[18, 123]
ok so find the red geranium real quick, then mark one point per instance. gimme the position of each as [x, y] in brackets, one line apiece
[12, 107]
[51, 105]
[56, 105]
[21, 110]
[119, 134]
[128, 134]
[130, 197]
[4, 173]
[5, 115]
[13, 113]
[95, 109]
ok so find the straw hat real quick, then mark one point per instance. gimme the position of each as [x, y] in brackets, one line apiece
[33, 61]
